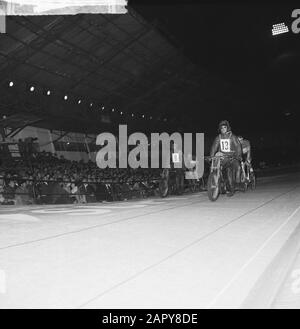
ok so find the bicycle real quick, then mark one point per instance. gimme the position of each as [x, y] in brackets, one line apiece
[216, 183]
[248, 175]
[172, 182]
[193, 182]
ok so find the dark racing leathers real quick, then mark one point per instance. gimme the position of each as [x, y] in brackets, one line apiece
[229, 145]
[246, 150]
[246, 155]
[177, 156]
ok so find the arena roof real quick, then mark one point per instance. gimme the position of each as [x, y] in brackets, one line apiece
[120, 62]
[89, 72]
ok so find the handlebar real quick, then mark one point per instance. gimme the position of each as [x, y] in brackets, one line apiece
[209, 158]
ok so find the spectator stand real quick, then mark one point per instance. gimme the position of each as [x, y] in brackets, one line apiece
[44, 178]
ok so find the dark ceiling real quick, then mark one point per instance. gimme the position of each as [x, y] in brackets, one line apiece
[112, 68]
[234, 42]
[156, 67]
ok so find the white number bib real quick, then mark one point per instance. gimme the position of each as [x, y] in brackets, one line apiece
[175, 157]
[225, 145]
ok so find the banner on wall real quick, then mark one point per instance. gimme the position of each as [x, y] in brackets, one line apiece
[71, 146]
[63, 7]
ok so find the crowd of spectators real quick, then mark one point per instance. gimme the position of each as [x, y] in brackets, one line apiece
[45, 178]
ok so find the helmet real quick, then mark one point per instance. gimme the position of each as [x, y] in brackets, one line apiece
[225, 123]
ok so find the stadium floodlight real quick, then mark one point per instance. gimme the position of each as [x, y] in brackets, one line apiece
[11, 83]
[279, 29]
[31, 88]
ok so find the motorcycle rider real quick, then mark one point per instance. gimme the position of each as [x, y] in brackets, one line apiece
[226, 143]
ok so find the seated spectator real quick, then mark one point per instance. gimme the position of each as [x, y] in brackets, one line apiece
[1, 189]
[59, 193]
[9, 193]
[44, 191]
[44, 174]
[88, 191]
[31, 188]
[102, 192]
[22, 194]
[74, 193]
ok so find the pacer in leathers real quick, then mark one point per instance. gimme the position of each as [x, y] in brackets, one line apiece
[228, 144]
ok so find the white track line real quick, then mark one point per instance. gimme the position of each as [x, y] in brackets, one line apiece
[251, 259]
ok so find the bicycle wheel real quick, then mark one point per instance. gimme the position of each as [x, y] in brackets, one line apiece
[163, 188]
[201, 185]
[164, 184]
[252, 181]
[243, 184]
[179, 184]
[213, 186]
[194, 186]
[244, 187]
[222, 187]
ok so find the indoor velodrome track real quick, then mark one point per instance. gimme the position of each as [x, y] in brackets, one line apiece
[178, 252]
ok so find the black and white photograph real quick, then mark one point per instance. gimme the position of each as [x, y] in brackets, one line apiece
[149, 157]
